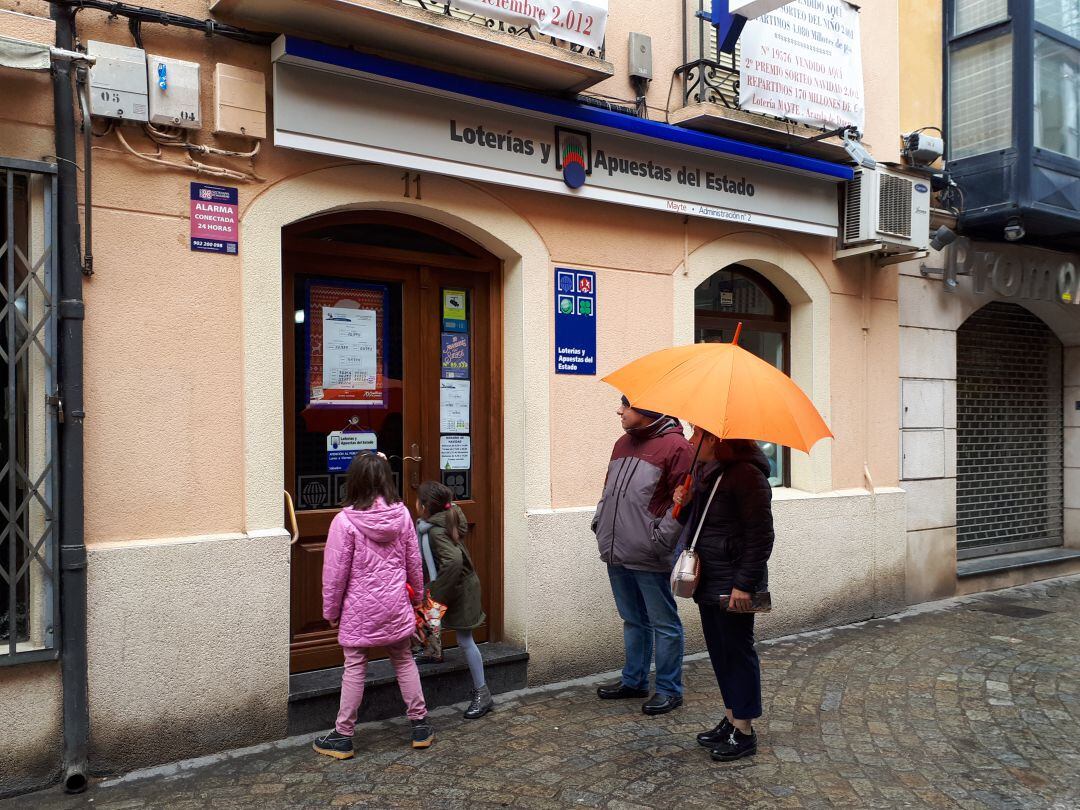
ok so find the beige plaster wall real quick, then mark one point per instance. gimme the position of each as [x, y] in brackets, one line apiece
[31, 704]
[183, 436]
[839, 557]
[182, 362]
[921, 56]
[188, 645]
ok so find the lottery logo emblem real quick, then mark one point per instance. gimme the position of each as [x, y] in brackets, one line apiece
[566, 305]
[573, 155]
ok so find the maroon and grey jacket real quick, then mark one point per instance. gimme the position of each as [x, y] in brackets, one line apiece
[646, 466]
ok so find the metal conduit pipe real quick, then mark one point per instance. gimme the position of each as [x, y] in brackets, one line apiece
[73, 648]
[140, 14]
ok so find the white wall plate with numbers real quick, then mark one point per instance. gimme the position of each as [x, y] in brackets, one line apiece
[118, 82]
[174, 92]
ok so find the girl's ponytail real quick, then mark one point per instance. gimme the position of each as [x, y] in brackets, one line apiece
[435, 498]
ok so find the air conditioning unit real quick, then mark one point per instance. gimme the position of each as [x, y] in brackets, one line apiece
[885, 211]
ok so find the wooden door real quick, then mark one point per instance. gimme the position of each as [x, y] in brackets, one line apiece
[419, 381]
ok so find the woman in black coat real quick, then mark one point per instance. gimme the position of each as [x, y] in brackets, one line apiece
[733, 548]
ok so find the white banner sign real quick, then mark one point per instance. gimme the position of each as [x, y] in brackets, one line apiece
[579, 21]
[803, 62]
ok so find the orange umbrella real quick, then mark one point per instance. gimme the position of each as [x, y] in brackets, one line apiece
[725, 390]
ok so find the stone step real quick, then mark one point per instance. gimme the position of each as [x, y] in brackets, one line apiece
[313, 696]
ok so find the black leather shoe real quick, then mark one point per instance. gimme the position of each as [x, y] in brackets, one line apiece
[711, 739]
[736, 746]
[661, 704]
[620, 691]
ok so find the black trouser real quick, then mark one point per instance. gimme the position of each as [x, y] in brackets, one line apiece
[730, 639]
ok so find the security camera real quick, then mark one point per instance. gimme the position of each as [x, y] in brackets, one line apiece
[942, 236]
[921, 149]
[856, 151]
[1014, 230]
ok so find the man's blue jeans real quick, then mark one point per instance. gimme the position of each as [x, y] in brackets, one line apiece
[650, 619]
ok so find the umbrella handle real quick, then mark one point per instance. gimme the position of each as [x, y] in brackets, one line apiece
[675, 510]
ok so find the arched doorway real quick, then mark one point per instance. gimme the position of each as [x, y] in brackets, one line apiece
[1010, 433]
[391, 328]
[738, 294]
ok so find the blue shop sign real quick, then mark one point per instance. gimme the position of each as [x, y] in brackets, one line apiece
[575, 321]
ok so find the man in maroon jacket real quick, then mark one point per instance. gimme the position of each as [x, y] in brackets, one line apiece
[648, 463]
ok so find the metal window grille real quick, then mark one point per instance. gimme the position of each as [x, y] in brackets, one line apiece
[1010, 433]
[29, 575]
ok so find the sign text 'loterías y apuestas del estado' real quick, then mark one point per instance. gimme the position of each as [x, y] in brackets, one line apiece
[360, 118]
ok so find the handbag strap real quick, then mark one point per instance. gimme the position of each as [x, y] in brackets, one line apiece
[705, 511]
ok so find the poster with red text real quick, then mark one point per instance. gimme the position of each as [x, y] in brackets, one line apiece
[346, 346]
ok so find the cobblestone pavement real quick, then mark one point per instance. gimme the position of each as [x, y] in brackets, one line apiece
[972, 704]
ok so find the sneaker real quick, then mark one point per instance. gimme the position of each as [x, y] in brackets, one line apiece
[736, 746]
[713, 737]
[424, 658]
[423, 734]
[334, 745]
[481, 703]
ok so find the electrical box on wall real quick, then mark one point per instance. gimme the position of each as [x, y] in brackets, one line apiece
[239, 101]
[118, 82]
[174, 92]
[641, 56]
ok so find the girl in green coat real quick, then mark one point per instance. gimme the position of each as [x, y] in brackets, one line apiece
[452, 580]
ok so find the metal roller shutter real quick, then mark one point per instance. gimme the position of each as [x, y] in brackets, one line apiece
[1010, 431]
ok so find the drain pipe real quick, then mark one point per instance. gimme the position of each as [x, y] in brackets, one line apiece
[73, 657]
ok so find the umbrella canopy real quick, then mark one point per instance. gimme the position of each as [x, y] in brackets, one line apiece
[725, 390]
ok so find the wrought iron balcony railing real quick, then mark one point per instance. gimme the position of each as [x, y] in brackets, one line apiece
[498, 25]
[708, 75]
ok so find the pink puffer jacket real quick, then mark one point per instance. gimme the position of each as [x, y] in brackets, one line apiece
[368, 559]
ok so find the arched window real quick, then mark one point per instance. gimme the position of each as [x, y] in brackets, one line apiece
[738, 294]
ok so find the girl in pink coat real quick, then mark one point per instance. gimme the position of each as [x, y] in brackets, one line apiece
[371, 553]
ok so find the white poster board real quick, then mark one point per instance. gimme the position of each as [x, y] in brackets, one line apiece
[581, 22]
[350, 359]
[803, 61]
[454, 406]
[455, 452]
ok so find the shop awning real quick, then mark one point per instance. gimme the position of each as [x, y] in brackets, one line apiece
[336, 101]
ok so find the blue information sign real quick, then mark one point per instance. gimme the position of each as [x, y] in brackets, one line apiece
[575, 321]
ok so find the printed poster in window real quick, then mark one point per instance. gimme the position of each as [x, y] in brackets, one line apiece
[455, 356]
[346, 343]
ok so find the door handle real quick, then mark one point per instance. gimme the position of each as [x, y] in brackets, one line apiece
[416, 458]
[290, 512]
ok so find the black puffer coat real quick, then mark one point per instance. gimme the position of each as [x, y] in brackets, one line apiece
[737, 536]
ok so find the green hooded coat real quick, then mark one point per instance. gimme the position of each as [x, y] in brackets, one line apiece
[456, 584]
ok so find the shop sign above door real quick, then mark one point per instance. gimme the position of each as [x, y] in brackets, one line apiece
[1011, 272]
[363, 118]
[579, 21]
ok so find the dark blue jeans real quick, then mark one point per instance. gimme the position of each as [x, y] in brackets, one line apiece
[650, 619]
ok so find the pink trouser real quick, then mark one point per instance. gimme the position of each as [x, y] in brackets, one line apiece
[352, 684]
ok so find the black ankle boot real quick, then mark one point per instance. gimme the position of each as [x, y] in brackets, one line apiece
[481, 704]
[736, 746]
[715, 736]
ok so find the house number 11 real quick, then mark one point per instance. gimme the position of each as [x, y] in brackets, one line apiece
[409, 177]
